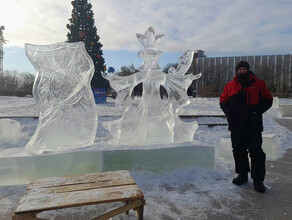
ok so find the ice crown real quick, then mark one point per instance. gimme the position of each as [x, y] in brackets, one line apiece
[149, 40]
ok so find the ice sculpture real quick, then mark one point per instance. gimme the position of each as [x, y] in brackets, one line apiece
[68, 117]
[151, 119]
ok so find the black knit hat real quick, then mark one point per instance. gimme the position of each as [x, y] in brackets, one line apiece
[242, 64]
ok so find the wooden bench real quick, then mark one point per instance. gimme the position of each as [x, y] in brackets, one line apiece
[81, 190]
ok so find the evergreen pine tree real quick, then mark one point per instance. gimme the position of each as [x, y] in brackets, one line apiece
[82, 28]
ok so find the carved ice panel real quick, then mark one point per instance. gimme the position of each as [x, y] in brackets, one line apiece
[68, 117]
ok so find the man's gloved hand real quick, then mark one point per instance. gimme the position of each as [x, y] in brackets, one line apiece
[252, 109]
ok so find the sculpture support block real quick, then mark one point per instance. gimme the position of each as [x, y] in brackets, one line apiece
[271, 146]
[20, 170]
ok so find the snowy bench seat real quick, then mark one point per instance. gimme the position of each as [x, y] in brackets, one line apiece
[81, 190]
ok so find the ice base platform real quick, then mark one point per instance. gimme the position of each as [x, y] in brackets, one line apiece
[271, 146]
[16, 170]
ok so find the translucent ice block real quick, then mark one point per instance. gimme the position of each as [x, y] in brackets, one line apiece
[271, 146]
[22, 169]
[10, 131]
[68, 117]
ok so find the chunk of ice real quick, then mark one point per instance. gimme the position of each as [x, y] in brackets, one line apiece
[10, 132]
[271, 146]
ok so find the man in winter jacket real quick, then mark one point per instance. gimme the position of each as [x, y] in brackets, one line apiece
[243, 101]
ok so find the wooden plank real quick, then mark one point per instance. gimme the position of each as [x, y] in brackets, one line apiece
[43, 199]
[103, 178]
[202, 116]
[140, 212]
[120, 210]
[26, 216]
[79, 179]
[87, 186]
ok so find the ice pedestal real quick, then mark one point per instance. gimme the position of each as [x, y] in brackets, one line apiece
[160, 160]
[20, 170]
[271, 146]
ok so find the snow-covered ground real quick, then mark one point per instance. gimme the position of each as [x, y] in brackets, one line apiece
[187, 193]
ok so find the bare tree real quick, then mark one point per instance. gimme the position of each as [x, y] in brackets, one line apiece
[167, 66]
[127, 70]
[26, 81]
[13, 83]
[266, 73]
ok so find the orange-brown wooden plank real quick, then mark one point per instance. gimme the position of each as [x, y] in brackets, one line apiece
[87, 186]
[26, 216]
[44, 199]
[103, 178]
[119, 210]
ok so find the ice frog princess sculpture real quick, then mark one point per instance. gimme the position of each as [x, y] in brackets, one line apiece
[152, 120]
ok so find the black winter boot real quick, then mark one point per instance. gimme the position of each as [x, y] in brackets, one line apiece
[259, 186]
[240, 179]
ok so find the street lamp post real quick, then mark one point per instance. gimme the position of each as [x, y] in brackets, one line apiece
[2, 41]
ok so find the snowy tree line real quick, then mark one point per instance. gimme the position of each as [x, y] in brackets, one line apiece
[131, 69]
[276, 74]
[13, 83]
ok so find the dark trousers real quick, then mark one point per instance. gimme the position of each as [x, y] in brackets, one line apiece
[244, 143]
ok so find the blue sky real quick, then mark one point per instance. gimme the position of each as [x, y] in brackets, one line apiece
[220, 28]
[15, 59]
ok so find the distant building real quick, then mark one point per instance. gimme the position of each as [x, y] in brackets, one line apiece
[199, 53]
[275, 70]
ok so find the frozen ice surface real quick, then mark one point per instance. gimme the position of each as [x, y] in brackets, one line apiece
[10, 132]
[152, 119]
[68, 117]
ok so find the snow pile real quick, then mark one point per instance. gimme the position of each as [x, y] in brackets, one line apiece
[202, 106]
[15, 106]
[10, 131]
